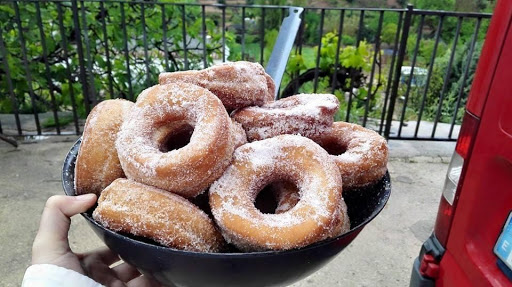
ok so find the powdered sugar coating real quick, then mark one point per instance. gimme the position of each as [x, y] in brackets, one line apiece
[237, 84]
[287, 196]
[97, 163]
[283, 158]
[239, 135]
[186, 171]
[365, 153]
[166, 218]
[308, 115]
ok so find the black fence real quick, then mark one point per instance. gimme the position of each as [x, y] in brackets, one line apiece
[405, 73]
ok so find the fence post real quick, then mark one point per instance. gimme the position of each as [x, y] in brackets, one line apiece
[398, 71]
[81, 63]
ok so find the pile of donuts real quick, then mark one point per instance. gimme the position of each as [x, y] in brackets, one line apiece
[185, 164]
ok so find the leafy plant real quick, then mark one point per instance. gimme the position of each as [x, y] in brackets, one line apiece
[345, 75]
[109, 65]
[389, 33]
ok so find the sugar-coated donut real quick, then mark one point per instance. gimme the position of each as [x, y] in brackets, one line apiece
[164, 217]
[289, 158]
[306, 114]
[360, 154]
[239, 135]
[237, 84]
[177, 135]
[188, 170]
[287, 195]
[173, 136]
[97, 163]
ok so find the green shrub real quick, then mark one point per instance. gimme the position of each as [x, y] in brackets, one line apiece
[95, 50]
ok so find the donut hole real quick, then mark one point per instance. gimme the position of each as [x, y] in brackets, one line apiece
[177, 139]
[266, 201]
[335, 148]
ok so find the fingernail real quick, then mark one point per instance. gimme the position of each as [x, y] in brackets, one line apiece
[85, 197]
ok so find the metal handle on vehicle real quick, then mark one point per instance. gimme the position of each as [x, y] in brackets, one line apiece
[283, 46]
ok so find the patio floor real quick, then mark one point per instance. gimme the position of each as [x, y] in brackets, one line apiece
[382, 255]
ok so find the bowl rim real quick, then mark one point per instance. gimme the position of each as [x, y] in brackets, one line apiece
[70, 160]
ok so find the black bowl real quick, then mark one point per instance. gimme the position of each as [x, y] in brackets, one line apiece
[272, 268]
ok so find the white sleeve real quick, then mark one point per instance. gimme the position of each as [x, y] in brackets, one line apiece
[46, 275]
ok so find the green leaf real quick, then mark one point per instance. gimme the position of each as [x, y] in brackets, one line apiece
[296, 63]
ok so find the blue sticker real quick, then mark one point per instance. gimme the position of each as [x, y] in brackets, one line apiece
[503, 247]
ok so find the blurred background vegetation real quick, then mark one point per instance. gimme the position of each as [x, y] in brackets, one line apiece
[126, 45]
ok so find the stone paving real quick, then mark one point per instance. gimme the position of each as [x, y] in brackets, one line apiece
[382, 255]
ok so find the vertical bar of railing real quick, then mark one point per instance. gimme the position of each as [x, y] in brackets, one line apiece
[184, 35]
[28, 75]
[429, 74]
[107, 51]
[81, 63]
[14, 101]
[411, 74]
[223, 33]
[390, 75]
[465, 77]
[360, 28]
[351, 87]
[243, 33]
[301, 30]
[372, 73]
[126, 53]
[338, 47]
[298, 50]
[89, 75]
[446, 76]
[164, 38]
[399, 62]
[317, 64]
[262, 34]
[64, 42]
[47, 67]
[203, 31]
[145, 43]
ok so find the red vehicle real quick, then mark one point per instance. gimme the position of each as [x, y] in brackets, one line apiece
[472, 240]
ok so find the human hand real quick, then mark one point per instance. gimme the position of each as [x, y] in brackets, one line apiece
[51, 246]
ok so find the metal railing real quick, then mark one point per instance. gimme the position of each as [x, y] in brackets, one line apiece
[420, 71]
[451, 90]
[402, 72]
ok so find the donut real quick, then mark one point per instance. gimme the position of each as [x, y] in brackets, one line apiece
[177, 135]
[173, 136]
[237, 84]
[289, 158]
[287, 196]
[306, 114]
[97, 163]
[142, 140]
[360, 154]
[239, 135]
[132, 207]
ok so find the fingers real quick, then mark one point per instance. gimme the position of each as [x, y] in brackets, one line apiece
[102, 255]
[51, 239]
[143, 281]
[96, 264]
[99, 270]
[125, 272]
[57, 211]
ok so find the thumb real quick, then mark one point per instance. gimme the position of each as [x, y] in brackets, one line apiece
[52, 238]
